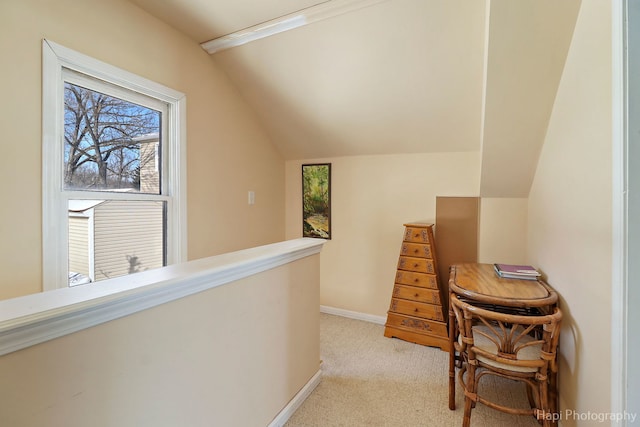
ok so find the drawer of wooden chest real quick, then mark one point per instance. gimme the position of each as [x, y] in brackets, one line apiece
[420, 250]
[421, 265]
[417, 279]
[417, 309]
[419, 235]
[414, 323]
[431, 296]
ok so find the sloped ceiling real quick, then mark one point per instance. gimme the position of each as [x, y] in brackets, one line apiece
[528, 42]
[399, 76]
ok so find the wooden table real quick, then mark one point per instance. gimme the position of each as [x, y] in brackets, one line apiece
[480, 283]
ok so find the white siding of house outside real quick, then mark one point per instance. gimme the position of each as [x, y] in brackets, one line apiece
[79, 244]
[150, 164]
[124, 231]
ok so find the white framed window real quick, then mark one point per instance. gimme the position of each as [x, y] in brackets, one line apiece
[113, 167]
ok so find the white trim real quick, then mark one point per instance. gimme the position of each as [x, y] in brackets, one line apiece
[177, 167]
[380, 320]
[485, 73]
[56, 60]
[54, 261]
[91, 241]
[286, 413]
[327, 9]
[619, 215]
[36, 318]
[73, 60]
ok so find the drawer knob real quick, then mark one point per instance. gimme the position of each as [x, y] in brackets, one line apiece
[415, 264]
[416, 280]
[415, 251]
[416, 295]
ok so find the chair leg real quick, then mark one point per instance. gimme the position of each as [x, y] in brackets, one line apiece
[452, 381]
[545, 405]
[466, 420]
[470, 390]
[553, 391]
[452, 361]
[532, 401]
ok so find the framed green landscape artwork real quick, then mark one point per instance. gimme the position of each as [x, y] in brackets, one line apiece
[316, 200]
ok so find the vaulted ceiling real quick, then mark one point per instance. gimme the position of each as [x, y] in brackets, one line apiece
[397, 76]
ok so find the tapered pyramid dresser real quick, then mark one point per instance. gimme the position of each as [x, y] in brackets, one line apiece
[416, 312]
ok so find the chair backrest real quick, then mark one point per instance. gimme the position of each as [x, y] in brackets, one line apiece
[508, 341]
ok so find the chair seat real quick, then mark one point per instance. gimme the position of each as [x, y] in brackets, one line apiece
[531, 352]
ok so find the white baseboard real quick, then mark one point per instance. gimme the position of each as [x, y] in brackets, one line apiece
[286, 413]
[297, 400]
[380, 320]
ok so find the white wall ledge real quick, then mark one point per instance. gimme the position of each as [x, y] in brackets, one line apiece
[32, 319]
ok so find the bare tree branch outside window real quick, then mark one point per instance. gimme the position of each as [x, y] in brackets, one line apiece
[102, 140]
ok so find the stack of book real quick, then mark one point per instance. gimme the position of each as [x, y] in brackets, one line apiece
[511, 271]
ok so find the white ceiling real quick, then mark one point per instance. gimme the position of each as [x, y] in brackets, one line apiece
[399, 76]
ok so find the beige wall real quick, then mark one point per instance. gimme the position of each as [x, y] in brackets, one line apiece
[236, 355]
[228, 153]
[567, 215]
[526, 48]
[569, 231]
[503, 230]
[372, 196]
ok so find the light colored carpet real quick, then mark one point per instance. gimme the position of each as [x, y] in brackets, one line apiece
[370, 380]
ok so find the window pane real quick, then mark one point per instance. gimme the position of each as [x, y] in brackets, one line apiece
[110, 144]
[111, 238]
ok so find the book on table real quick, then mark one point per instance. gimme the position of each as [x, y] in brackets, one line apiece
[513, 271]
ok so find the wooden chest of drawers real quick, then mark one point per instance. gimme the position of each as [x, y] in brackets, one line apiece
[416, 312]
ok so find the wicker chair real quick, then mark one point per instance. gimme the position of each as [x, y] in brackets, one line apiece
[514, 346]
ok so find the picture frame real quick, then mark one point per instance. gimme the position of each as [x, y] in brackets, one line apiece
[316, 200]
